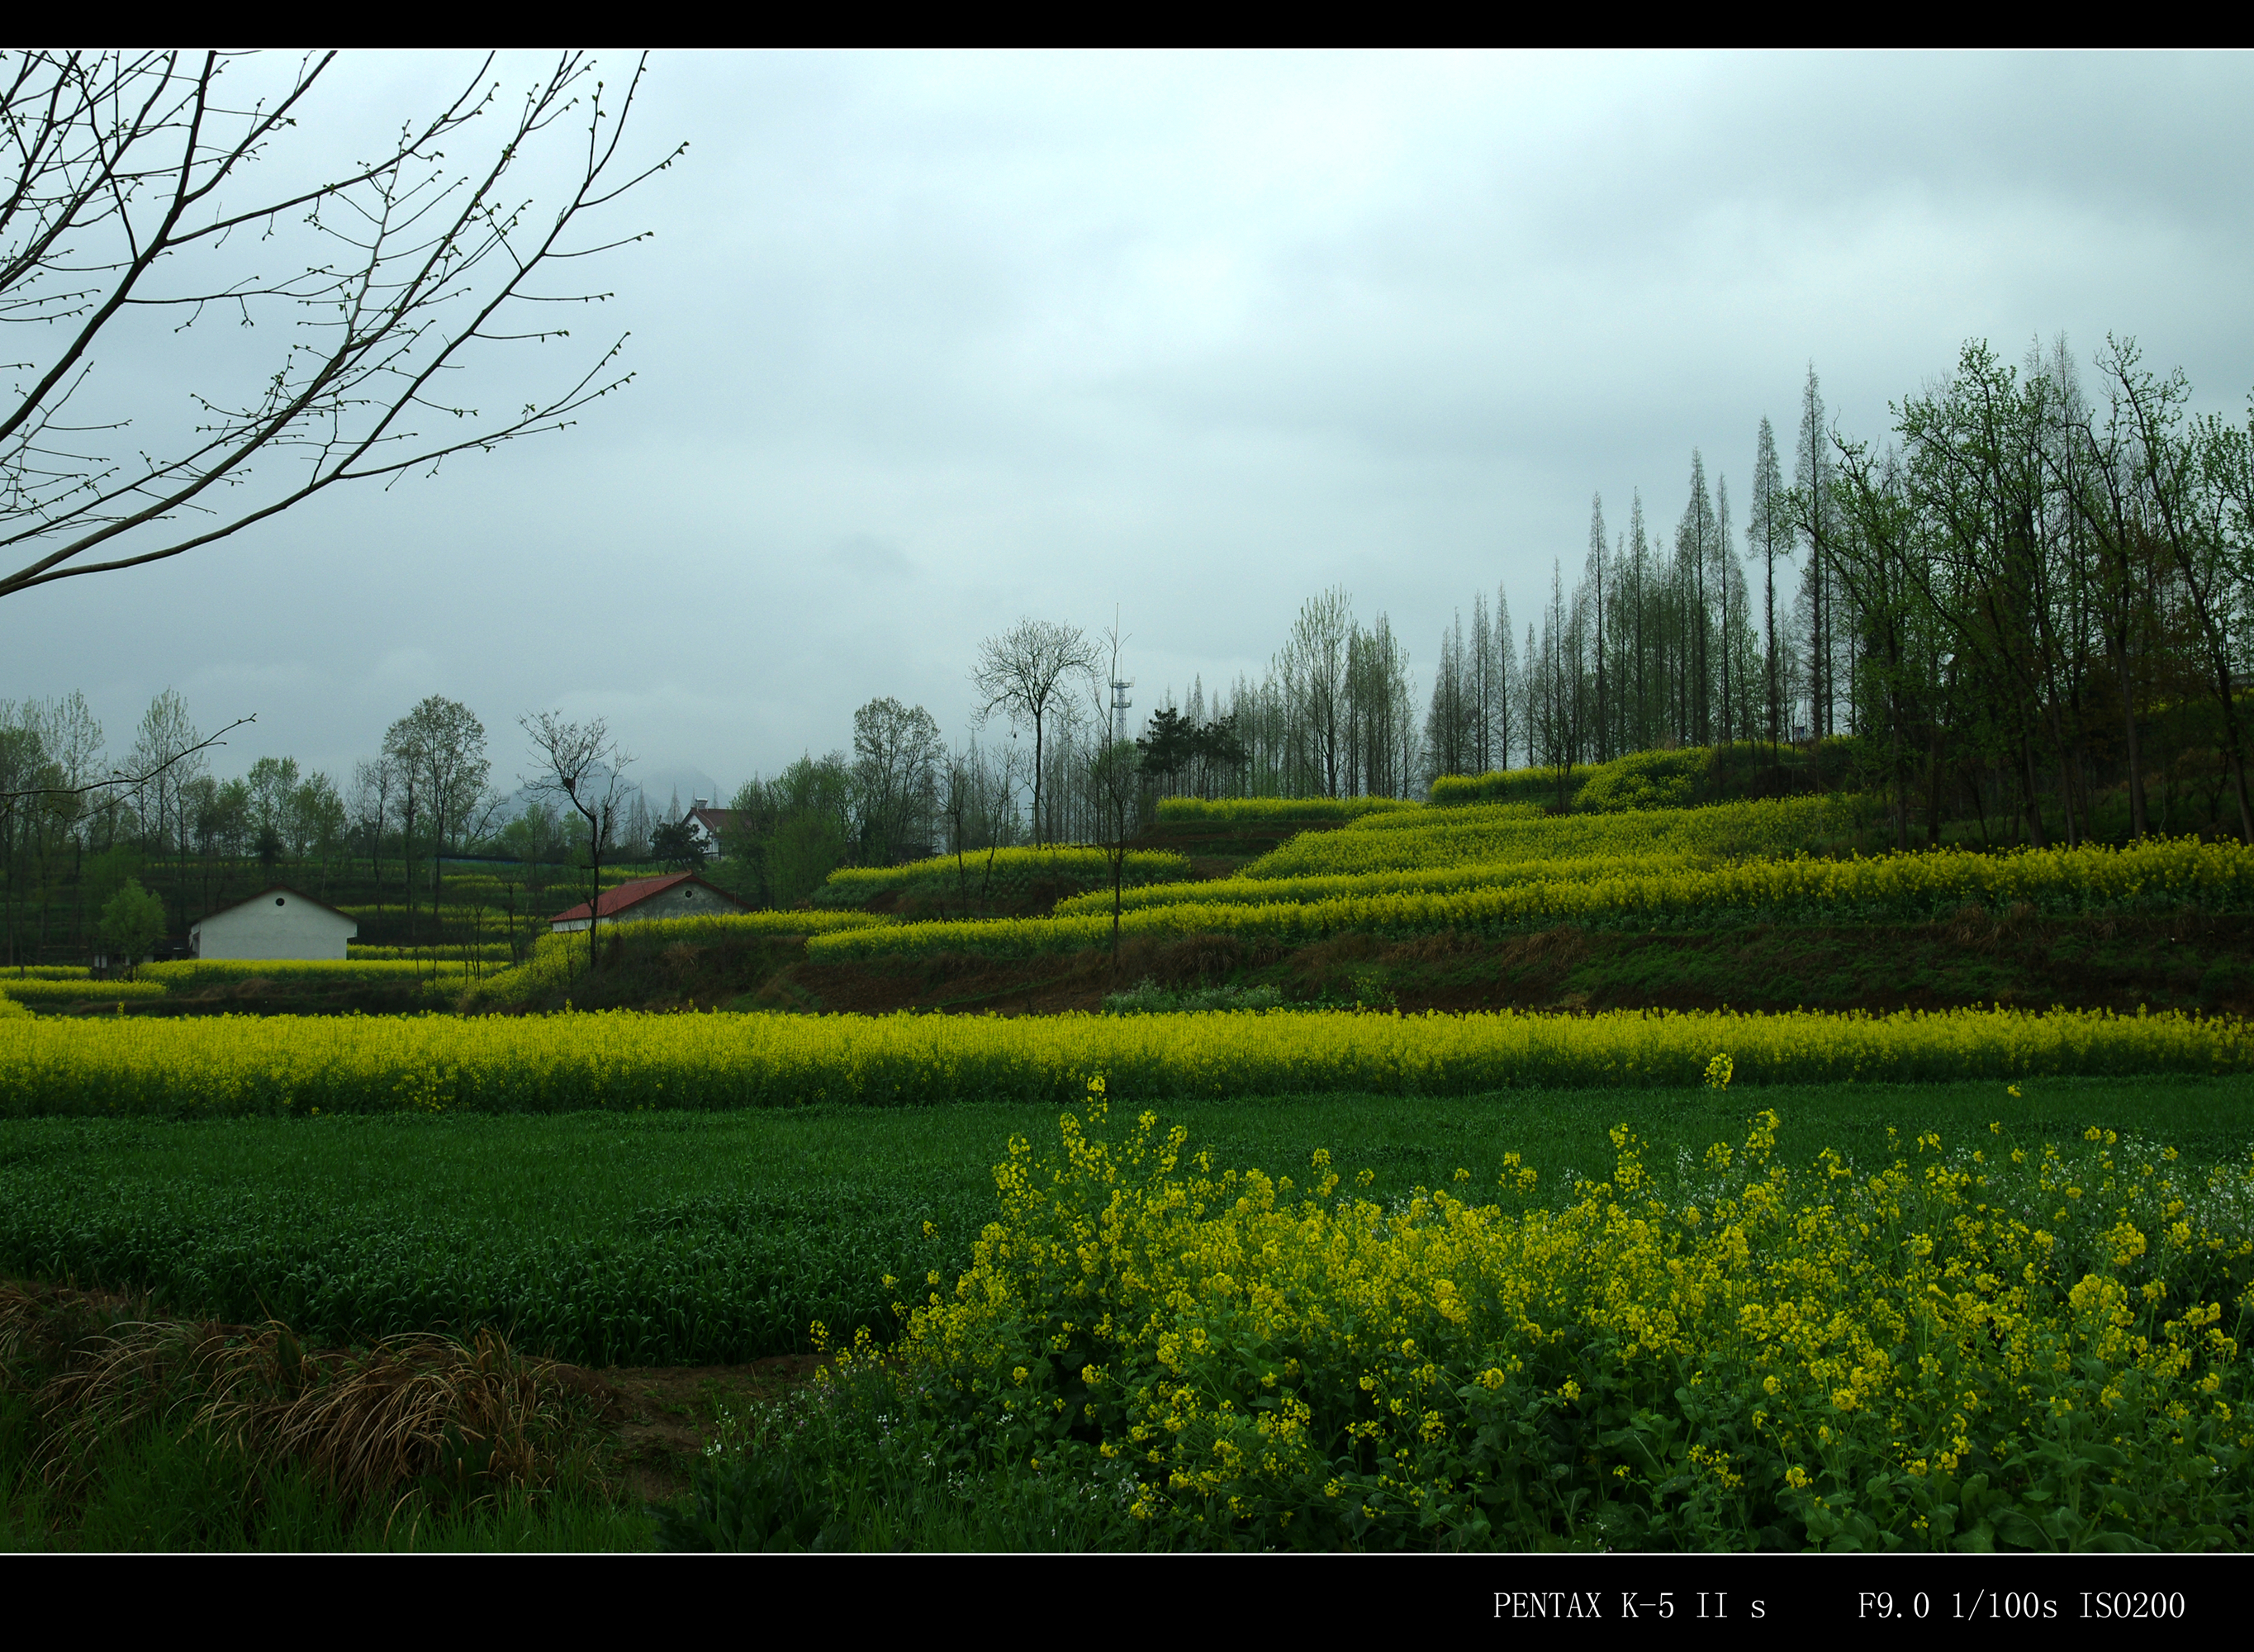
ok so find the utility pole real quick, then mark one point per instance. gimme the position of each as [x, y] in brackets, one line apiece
[1120, 703]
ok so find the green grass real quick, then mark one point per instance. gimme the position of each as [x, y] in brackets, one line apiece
[152, 1489]
[1008, 877]
[682, 1238]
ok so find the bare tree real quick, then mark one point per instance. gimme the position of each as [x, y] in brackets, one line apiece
[1023, 672]
[1314, 670]
[373, 782]
[959, 796]
[1811, 482]
[167, 748]
[579, 763]
[128, 195]
[999, 782]
[1115, 784]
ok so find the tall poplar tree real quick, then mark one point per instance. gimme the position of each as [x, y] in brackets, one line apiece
[1768, 534]
[1811, 478]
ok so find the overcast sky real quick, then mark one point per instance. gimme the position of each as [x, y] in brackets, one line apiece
[924, 343]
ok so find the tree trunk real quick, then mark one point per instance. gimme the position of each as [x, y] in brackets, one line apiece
[1933, 789]
[2139, 823]
[2034, 798]
[595, 893]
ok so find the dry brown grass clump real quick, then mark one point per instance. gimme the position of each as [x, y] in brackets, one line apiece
[470, 1419]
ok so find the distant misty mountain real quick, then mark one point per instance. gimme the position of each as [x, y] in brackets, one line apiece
[659, 785]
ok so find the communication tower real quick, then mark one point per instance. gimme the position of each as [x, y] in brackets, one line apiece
[1119, 705]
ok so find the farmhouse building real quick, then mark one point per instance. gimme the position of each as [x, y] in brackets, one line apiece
[276, 923]
[709, 825]
[682, 895]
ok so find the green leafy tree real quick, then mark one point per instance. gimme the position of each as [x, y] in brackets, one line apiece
[791, 831]
[132, 921]
[317, 820]
[273, 783]
[897, 759]
[675, 844]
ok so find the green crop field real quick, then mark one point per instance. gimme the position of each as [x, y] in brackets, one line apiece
[685, 1238]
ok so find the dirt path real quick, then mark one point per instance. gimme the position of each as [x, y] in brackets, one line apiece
[660, 1415]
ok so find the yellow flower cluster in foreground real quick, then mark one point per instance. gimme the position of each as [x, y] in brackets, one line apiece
[1975, 1348]
[555, 1063]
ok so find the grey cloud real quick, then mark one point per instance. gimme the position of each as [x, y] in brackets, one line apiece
[925, 343]
[867, 557]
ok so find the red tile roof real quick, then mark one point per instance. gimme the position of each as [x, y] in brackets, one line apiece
[632, 894]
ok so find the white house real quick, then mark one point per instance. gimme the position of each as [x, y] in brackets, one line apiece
[278, 922]
[709, 825]
[682, 895]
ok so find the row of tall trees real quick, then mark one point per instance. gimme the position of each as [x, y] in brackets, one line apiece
[49, 750]
[1334, 715]
[2042, 591]
[1681, 636]
[75, 824]
[2030, 605]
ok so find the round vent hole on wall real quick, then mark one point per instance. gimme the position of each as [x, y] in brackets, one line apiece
[277, 900]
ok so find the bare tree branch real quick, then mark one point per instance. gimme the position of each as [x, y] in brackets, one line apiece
[397, 272]
[119, 779]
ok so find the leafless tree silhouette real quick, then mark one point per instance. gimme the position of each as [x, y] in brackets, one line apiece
[130, 225]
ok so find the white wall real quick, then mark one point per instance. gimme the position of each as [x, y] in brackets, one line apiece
[281, 926]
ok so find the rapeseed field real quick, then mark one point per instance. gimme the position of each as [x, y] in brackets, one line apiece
[1492, 869]
[222, 1066]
